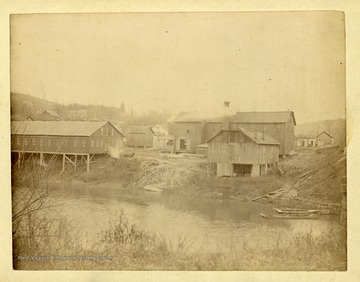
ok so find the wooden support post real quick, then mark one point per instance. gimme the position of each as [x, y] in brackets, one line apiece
[88, 163]
[75, 161]
[41, 160]
[63, 164]
[265, 169]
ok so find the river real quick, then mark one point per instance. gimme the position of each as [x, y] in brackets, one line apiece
[207, 224]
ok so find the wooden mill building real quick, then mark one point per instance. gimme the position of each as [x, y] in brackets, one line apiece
[139, 136]
[71, 139]
[193, 129]
[242, 152]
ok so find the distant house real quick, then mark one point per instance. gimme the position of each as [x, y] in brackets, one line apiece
[48, 115]
[165, 142]
[161, 138]
[324, 138]
[306, 141]
[139, 136]
[242, 152]
[193, 129]
[159, 130]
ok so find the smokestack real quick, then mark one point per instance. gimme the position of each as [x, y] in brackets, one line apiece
[226, 117]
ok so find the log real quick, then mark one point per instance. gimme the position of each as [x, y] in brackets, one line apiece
[268, 194]
[290, 216]
[280, 170]
[260, 197]
[307, 173]
[302, 211]
[275, 192]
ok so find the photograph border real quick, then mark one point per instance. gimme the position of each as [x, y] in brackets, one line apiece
[352, 25]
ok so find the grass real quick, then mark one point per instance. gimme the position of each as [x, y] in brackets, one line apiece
[129, 248]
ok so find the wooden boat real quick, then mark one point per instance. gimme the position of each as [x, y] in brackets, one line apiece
[152, 188]
[301, 211]
[289, 216]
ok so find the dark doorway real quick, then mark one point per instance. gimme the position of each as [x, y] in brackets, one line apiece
[183, 144]
[242, 169]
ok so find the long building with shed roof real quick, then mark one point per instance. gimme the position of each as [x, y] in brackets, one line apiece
[68, 138]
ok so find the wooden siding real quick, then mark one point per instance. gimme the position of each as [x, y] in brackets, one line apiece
[324, 139]
[245, 153]
[192, 131]
[97, 143]
[241, 151]
[276, 130]
[211, 129]
[163, 142]
[140, 139]
[201, 132]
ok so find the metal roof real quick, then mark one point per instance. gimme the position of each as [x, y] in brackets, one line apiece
[256, 136]
[58, 128]
[264, 117]
[240, 117]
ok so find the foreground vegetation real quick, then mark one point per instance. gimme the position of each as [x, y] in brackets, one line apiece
[125, 247]
[43, 240]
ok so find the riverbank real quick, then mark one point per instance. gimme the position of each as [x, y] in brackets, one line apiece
[127, 246]
[309, 178]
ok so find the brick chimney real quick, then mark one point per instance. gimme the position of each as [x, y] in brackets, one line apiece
[226, 117]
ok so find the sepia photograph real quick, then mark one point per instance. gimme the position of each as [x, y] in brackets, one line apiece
[179, 141]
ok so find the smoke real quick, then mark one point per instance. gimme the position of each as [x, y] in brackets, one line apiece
[115, 151]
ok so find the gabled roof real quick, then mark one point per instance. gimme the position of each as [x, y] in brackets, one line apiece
[325, 131]
[138, 129]
[58, 128]
[51, 113]
[240, 117]
[257, 137]
[264, 117]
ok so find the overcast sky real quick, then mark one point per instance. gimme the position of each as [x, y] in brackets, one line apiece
[258, 61]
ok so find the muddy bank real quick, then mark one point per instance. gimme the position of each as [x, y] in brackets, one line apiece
[311, 179]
